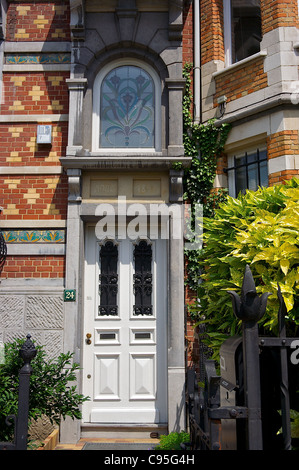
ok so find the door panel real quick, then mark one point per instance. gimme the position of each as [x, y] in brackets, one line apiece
[106, 377]
[125, 312]
[142, 376]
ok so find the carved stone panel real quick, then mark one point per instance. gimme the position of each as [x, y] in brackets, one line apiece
[44, 312]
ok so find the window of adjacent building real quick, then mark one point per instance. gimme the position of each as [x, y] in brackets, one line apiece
[247, 170]
[242, 19]
[126, 112]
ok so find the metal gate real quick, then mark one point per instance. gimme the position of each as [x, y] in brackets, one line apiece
[247, 407]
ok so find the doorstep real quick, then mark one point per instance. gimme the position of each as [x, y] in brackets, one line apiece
[80, 444]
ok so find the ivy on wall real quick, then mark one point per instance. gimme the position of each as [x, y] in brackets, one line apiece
[204, 143]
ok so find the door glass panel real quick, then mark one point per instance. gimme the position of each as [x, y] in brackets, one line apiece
[108, 279]
[143, 279]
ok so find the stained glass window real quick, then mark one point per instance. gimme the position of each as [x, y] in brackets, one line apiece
[127, 111]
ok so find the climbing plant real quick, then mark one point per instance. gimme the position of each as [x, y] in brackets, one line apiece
[204, 143]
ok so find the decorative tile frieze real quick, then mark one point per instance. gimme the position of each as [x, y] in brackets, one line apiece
[18, 59]
[34, 236]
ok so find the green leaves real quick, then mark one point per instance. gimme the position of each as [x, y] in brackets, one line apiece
[172, 441]
[52, 389]
[204, 143]
[259, 229]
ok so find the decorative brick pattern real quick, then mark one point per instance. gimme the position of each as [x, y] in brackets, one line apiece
[35, 93]
[38, 21]
[19, 147]
[31, 197]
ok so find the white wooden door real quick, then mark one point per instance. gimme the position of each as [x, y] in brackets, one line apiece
[125, 349]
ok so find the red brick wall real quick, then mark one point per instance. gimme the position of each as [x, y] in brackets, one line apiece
[38, 21]
[19, 147]
[276, 13]
[35, 196]
[30, 197]
[241, 82]
[35, 93]
[280, 144]
[212, 40]
[34, 267]
[188, 33]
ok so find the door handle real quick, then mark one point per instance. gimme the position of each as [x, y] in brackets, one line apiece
[88, 340]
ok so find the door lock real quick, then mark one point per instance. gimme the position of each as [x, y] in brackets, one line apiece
[88, 336]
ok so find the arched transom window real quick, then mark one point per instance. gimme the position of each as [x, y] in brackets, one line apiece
[126, 109]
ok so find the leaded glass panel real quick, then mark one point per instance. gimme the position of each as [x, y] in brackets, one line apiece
[127, 112]
[108, 280]
[143, 279]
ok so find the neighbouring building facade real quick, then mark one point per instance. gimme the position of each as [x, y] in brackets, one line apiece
[249, 77]
[90, 130]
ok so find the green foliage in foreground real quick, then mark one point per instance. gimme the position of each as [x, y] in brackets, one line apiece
[172, 441]
[52, 389]
[259, 229]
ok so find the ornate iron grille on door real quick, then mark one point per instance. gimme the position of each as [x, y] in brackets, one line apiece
[108, 279]
[143, 279]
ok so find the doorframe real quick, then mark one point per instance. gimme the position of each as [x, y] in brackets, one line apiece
[78, 214]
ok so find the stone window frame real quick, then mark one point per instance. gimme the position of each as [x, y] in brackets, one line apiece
[96, 108]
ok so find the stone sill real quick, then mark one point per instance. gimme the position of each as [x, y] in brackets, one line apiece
[140, 162]
[239, 64]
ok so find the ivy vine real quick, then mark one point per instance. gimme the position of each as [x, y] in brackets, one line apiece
[204, 143]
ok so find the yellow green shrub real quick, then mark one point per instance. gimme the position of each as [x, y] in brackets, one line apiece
[259, 229]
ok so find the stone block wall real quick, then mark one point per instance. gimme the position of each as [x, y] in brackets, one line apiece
[38, 312]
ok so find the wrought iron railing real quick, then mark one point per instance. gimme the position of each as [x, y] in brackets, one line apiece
[27, 353]
[247, 407]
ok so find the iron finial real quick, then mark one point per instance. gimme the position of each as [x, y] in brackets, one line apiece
[250, 306]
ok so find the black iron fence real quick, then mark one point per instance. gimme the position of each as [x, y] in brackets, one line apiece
[20, 422]
[247, 406]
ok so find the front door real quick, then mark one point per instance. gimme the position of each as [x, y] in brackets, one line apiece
[125, 335]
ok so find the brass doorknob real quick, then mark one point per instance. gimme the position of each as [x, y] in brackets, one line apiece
[88, 336]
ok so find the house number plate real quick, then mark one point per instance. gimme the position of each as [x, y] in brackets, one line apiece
[69, 295]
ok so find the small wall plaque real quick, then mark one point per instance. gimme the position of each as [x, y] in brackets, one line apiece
[44, 134]
[69, 295]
